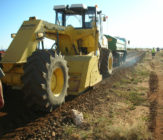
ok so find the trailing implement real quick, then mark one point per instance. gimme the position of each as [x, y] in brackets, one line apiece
[118, 46]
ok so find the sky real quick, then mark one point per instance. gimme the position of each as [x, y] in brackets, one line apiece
[140, 21]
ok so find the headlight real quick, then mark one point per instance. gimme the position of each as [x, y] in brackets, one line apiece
[13, 35]
[39, 35]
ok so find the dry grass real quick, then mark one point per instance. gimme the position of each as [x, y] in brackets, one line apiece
[122, 115]
[137, 131]
[161, 59]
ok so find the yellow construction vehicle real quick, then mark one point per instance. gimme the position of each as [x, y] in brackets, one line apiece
[76, 60]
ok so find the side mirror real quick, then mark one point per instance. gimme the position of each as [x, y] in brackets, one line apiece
[104, 18]
[128, 41]
[99, 12]
[13, 35]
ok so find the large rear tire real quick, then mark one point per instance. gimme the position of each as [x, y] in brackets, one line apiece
[45, 80]
[106, 62]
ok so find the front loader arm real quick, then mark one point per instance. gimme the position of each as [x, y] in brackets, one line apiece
[24, 43]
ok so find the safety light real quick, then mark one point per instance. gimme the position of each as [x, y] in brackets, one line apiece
[96, 6]
[128, 41]
[13, 35]
[39, 35]
[104, 18]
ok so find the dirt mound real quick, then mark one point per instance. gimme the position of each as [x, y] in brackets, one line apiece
[153, 87]
[152, 65]
[153, 82]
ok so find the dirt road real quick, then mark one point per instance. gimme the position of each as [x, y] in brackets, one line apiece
[17, 122]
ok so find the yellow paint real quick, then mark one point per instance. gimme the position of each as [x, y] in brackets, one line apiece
[13, 74]
[110, 63]
[83, 65]
[83, 71]
[79, 38]
[24, 43]
[57, 81]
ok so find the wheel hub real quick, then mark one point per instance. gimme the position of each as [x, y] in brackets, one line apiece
[57, 81]
[110, 63]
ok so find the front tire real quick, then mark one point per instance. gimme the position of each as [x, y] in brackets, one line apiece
[45, 80]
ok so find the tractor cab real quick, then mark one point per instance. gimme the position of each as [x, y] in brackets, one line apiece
[80, 16]
[77, 15]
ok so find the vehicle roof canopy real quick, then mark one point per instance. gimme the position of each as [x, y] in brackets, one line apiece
[79, 9]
